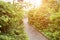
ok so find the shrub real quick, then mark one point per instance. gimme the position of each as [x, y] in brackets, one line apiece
[46, 19]
[11, 24]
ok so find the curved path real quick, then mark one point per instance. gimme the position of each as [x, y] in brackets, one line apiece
[32, 33]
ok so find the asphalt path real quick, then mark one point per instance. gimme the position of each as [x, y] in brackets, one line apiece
[32, 33]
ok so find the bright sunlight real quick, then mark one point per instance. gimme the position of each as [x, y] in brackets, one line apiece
[35, 3]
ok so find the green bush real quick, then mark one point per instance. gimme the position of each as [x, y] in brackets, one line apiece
[46, 19]
[11, 24]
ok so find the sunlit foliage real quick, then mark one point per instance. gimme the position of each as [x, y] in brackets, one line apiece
[46, 19]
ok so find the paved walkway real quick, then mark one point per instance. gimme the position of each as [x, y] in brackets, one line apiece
[32, 33]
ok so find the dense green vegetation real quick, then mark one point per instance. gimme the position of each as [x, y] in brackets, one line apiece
[11, 24]
[46, 19]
